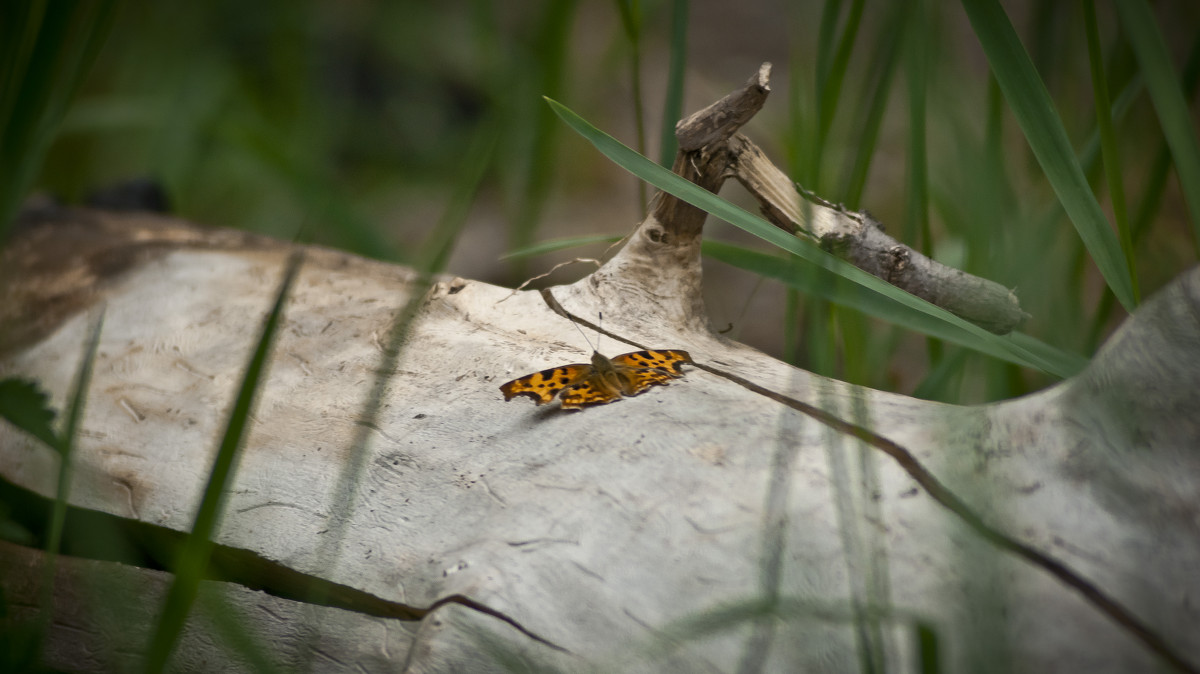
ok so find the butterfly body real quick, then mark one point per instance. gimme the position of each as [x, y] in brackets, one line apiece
[605, 380]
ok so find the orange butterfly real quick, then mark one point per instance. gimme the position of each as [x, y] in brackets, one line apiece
[601, 382]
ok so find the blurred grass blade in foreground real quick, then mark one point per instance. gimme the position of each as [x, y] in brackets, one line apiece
[1137, 22]
[46, 48]
[1034, 111]
[973, 336]
[192, 561]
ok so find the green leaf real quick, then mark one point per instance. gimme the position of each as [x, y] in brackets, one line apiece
[1034, 111]
[911, 308]
[28, 408]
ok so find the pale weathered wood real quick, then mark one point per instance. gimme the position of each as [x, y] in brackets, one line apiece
[104, 613]
[595, 531]
[812, 523]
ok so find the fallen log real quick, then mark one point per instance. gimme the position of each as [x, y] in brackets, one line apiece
[748, 516]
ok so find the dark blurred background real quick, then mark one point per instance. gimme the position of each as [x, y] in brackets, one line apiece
[370, 125]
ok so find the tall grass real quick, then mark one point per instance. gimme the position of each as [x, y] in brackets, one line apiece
[265, 120]
[357, 123]
[46, 49]
[197, 548]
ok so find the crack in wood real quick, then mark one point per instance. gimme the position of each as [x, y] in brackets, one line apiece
[467, 602]
[250, 570]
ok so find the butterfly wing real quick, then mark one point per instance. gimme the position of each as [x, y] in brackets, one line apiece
[580, 385]
[591, 391]
[669, 361]
[543, 386]
[640, 370]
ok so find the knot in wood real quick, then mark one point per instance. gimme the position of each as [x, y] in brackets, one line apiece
[658, 235]
[897, 261]
[836, 242]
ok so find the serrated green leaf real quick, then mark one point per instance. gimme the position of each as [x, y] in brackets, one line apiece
[28, 408]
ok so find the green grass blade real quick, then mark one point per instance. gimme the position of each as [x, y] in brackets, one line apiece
[1156, 184]
[1139, 25]
[943, 377]
[673, 106]
[94, 27]
[1108, 141]
[66, 447]
[876, 91]
[197, 548]
[631, 20]
[435, 252]
[312, 187]
[807, 119]
[535, 168]
[1153, 189]
[791, 328]
[667, 181]
[1120, 107]
[916, 228]
[830, 79]
[555, 245]
[827, 285]
[826, 34]
[1034, 111]
[928, 655]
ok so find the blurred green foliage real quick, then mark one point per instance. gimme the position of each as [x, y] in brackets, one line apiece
[390, 129]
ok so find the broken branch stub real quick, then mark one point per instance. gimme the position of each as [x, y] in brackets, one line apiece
[657, 273]
[719, 121]
[860, 240]
[711, 149]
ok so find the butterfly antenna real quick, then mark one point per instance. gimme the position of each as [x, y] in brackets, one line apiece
[589, 342]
